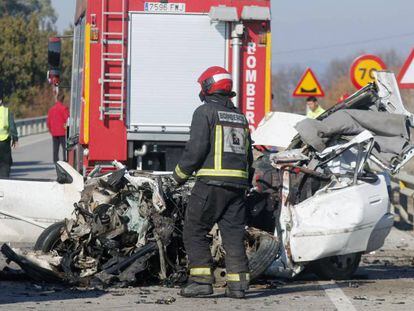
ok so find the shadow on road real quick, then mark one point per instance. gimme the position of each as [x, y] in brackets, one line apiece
[20, 292]
[384, 272]
[370, 272]
[28, 163]
[289, 288]
[13, 292]
[402, 225]
[307, 282]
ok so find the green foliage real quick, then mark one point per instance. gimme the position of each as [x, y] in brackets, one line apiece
[23, 61]
[24, 8]
[66, 59]
[25, 26]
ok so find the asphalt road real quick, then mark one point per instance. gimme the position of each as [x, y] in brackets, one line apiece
[32, 159]
[384, 281]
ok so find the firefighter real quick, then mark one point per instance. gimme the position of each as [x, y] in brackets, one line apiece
[8, 137]
[219, 152]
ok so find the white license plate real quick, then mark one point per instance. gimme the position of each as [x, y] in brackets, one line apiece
[158, 7]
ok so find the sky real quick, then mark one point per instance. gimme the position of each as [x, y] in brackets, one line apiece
[65, 10]
[311, 33]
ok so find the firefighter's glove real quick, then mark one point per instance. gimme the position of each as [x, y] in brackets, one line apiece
[179, 176]
[176, 184]
[251, 191]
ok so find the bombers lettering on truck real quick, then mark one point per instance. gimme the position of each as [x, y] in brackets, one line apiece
[251, 78]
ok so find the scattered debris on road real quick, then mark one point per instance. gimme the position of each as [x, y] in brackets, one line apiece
[166, 301]
[360, 298]
[353, 284]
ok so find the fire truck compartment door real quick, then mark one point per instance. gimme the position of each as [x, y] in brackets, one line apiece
[167, 54]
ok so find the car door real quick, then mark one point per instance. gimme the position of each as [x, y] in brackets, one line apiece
[27, 207]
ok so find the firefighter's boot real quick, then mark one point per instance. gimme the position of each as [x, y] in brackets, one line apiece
[237, 294]
[237, 285]
[199, 283]
[194, 289]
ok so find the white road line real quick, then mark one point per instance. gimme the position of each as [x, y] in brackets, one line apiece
[337, 296]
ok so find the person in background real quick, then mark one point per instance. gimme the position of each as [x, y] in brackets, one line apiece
[314, 110]
[56, 123]
[8, 137]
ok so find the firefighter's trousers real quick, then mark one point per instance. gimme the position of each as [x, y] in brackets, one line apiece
[225, 206]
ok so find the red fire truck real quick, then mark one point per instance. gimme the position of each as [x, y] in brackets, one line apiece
[135, 66]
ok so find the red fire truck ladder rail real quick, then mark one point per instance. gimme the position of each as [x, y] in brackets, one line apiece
[112, 83]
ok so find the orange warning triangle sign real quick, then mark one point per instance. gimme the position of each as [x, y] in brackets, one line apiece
[308, 86]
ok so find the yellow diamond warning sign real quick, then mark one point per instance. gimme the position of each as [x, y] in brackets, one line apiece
[308, 86]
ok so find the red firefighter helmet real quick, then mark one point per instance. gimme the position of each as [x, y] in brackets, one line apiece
[215, 80]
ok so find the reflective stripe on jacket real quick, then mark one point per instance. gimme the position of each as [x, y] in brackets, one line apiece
[219, 149]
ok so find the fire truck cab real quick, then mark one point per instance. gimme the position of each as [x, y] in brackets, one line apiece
[135, 69]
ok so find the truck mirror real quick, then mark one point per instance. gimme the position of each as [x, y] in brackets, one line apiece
[53, 55]
[53, 59]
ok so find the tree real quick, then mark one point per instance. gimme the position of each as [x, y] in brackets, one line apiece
[66, 57]
[24, 8]
[23, 64]
[283, 85]
[25, 26]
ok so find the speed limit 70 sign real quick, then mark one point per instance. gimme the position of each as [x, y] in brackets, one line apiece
[363, 67]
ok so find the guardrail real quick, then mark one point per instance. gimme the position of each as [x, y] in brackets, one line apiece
[31, 126]
[402, 196]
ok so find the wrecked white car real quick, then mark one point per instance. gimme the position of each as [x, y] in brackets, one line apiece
[321, 203]
[332, 181]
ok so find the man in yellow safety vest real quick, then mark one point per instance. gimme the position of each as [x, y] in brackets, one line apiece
[8, 137]
[314, 110]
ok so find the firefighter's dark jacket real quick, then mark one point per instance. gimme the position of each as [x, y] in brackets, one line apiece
[219, 150]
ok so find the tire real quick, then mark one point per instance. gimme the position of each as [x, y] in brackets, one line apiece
[49, 238]
[336, 267]
[261, 252]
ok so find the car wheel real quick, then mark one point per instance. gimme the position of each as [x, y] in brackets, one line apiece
[261, 251]
[336, 267]
[50, 237]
